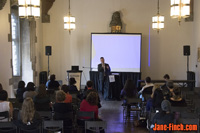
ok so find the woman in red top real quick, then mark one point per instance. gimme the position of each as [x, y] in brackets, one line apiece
[90, 104]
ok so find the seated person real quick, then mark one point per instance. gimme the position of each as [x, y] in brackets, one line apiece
[5, 105]
[148, 86]
[60, 107]
[30, 90]
[157, 98]
[1, 88]
[129, 90]
[91, 89]
[90, 104]
[176, 99]
[42, 100]
[53, 84]
[47, 83]
[149, 104]
[166, 78]
[68, 98]
[168, 90]
[28, 118]
[72, 86]
[165, 116]
[20, 91]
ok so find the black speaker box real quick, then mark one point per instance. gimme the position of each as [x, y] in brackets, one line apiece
[43, 77]
[186, 50]
[48, 50]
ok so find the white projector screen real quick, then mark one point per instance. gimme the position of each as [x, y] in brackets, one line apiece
[121, 51]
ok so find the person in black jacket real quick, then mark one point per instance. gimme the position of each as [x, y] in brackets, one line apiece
[53, 84]
[42, 100]
[104, 72]
[20, 91]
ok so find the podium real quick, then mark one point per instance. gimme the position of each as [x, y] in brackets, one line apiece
[77, 76]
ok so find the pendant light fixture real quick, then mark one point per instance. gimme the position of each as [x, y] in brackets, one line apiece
[158, 21]
[29, 8]
[180, 9]
[69, 21]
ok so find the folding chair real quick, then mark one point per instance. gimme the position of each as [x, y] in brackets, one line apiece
[95, 126]
[134, 106]
[36, 130]
[68, 120]
[7, 127]
[81, 118]
[4, 116]
[53, 126]
[46, 115]
[179, 109]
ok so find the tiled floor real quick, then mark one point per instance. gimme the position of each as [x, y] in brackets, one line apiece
[112, 112]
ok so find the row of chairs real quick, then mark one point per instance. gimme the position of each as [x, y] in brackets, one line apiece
[51, 126]
[68, 125]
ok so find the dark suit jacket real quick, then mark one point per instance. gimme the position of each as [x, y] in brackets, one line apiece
[101, 71]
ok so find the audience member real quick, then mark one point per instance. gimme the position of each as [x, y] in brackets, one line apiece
[68, 98]
[148, 85]
[42, 100]
[168, 90]
[47, 83]
[165, 116]
[5, 105]
[1, 88]
[166, 78]
[149, 104]
[157, 98]
[176, 99]
[28, 118]
[53, 84]
[72, 86]
[30, 90]
[129, 90]
[90, 104]
[60, 106]
[91, 89]
[20, 91]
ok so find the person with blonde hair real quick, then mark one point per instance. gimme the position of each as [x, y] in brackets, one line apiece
[28, 118]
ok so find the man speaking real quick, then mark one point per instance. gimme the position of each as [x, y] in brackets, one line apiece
[104, 72]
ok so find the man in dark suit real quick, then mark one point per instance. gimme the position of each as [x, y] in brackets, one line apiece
[104, 72]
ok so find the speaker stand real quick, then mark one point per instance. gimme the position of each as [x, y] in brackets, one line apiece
[48, 65]
[187, 63]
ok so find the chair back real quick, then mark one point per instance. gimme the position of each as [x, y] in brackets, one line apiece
[53, 126]
[7, 127]
[61, 116]
[82, 114]
[46, 115]
[179, 109]
[35, 130]
[133, 100]
[4, 116]
[95, 126]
